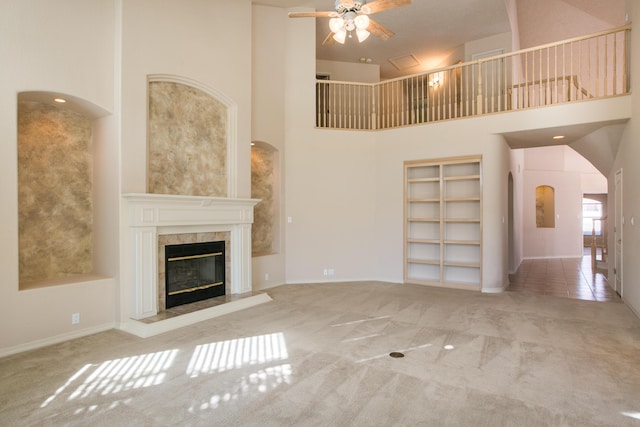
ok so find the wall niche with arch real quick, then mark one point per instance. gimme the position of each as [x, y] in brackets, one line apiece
[545, 207]
[265, 185]
[57, 179]
[187, 139]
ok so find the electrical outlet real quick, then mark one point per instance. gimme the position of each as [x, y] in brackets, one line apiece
[325, 272]
[75, 318]
[266, 277]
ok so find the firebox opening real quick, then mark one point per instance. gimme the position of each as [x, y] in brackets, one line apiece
[194, 272]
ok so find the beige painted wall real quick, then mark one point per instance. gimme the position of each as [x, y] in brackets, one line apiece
[84, 60]
[516, 168]
[571, 175]
[627, 159]
[349, 71]
[41, 50]
[353, 222]
[488, 44]
[269, 55]
[190, 50]
[546, 21]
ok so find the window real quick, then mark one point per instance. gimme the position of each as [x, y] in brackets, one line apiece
[592, 213]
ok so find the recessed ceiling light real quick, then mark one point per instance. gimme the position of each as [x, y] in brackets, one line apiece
[60, 100]
[558, 137]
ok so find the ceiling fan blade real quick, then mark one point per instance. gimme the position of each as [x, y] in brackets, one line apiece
[327, 14]
[379, 30]
[329, 40]
[380, 5]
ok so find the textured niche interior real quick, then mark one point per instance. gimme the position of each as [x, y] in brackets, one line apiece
[263, 185]
[55, 192]
[187, 141]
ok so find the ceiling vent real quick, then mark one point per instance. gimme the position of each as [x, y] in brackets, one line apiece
[404, 62]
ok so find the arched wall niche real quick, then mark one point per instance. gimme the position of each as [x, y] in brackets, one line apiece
[192, 139]
[72, 103]
[265, 185]
[56, 188]
[545, 207]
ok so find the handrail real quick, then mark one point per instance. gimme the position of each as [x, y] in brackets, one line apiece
[576, 69]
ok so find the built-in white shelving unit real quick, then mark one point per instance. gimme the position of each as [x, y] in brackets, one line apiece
[443, 222]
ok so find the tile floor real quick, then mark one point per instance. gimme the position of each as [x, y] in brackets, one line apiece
[562, 277]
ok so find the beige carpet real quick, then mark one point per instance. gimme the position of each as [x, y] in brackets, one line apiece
[319, 355]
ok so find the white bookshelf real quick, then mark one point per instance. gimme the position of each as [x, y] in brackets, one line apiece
[443, 222]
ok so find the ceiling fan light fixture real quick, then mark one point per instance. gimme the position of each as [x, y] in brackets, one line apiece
[362, 34]
[336, 24]
[352, 15]
[362, 22]
[340, 35]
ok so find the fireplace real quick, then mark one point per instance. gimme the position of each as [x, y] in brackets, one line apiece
[194, 272]
[159, 219]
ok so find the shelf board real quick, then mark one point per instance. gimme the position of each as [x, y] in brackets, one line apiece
[423, 261]
[424, 200]
[461, 264]
[462, 220]
[429, 241]
[423, 219]
[462, 178]
[463, 242]
[411, 180]
[462, 199]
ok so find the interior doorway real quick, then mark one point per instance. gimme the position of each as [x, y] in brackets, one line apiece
[594, 229]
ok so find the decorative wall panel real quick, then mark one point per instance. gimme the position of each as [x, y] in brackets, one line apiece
[55, 200]
[187, 140]
[262, 187]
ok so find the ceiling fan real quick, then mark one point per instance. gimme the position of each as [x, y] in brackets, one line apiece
[350, 15]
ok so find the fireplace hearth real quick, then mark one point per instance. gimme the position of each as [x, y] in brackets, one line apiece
[194, 272]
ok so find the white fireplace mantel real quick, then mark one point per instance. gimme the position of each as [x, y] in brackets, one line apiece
[150, 215]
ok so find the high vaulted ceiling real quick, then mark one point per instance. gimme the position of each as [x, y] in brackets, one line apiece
[433, 31]
[430, 31]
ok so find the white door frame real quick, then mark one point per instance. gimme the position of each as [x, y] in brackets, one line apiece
[617, 234]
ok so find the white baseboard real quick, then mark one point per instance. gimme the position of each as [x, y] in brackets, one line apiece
[32, 345]
[552, 257]
[632, 308]
[493, 290]
[320, 281]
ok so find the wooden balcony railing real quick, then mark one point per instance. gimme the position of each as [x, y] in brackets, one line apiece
[582, 68]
